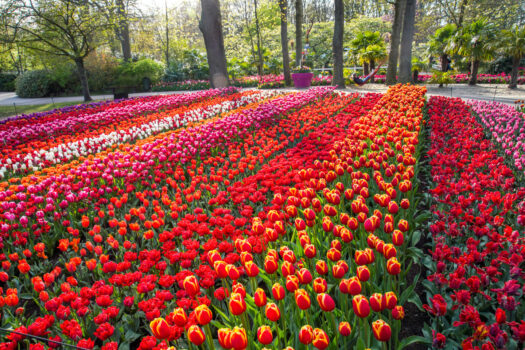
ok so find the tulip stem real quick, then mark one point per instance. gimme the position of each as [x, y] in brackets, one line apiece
[209, 336]
[246, 328]
[334, 325]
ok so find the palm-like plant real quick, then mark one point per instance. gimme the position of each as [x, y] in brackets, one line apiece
[475, 42]
[368, 47]
[438, 44]
[513, 45]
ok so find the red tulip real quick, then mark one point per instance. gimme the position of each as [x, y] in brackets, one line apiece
[264, 335]
[393, 266]
[237, 338]
[321, 340]
[270, 264]
[292, 283]
[179, 317]
[382, 331]
[306, 334]
[325, 302]
[259, 297]
[237, 305]
[278, 291]
[390, 300]
[345, 329]
[398, 238]
[196, 335]
[302, 299]
[191, 285]
[203, 314]
[223, 335]
[377, 302]
[398, 313]
[320, 285]
[363, 273]
[272, 312]
[361, 306]
[251, 269]
[160, 328]
[321, 267]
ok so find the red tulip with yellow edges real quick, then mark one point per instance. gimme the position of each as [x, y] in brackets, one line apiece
[264, 335]
[258, 228]
[287, 268]
[363, 273]
[398, 238]
[329, 210]
[238, 339]
[346, 235]
[270, 265]
[239, 288]
[309, 214]
[405, 203]
[305, 276]
[392, 207]
[213, 256]
[325, 302]
[306, 334]
[245, 257]
[320, 285]
[278, 291]
[203, 314]
[361, 257]
[300, 224]
[371, 240]
[390, 300]
[327, 224]
[273, 215]
[310, 251]
[393, 266]
[388, 227]
[398, 312]
[333, 254]
[361, 306]
[321, 267]
[288, 255]
[279, 228]
[292, 283]
[223, 336]
[233, 272]
[402, 225]
[243, 245]
[389, 251]
[271, 234]
[179, 317]
[302, 299]
[291, 210]
[345, 329]
[160, 328]
[381, 330]
[251, 269]
[272, 312]
[344, 218]
[220, 268]
[237, 305]
[338, 271]
[377, 302]
[259, 297]
[191, 285]
[196, 335]
[321, 340]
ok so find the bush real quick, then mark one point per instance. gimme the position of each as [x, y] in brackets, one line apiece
[35, 83]
[133, 73]
[102, 71]
[7, 82]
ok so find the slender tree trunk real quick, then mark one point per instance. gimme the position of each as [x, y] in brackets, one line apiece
[167, 53]
[405, 62]
[211, 28]
[461, 17]
[260, 64]
[372, 67]
[393, 57]
[339, 23]
[298, 32]
[415, 76]
[514, 73]
[81, 70]
[123, 30]
[444, 65]
[366, 68]
[474, 66]
[249, 31]
[283, 6]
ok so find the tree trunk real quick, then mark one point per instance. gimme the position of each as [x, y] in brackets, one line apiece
[444, 65]
[366, 68]
[339, 23]
[167, 53]
[260, 64]
[474, 66]
[283, 6]
[81, 70]
[123, 30]
[514, 73]
[211, 28]
[391, 72]
[372, 67]
[405, 59]
[298, 32]
[461, 17]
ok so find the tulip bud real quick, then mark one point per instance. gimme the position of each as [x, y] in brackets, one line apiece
[277, 291]
[259, 297]
[220, 268]
[346, 235]
[321, 267]
[237, 305]
[233, 272]
[398, 238]
[361, 306]
[272, 312]
[238, 339]
[321, 340]
[320, 285]
[390, 300]
[302, 299]
[292, 283]
[306, 334]
[389, 251]
[264, 335]
[377, 302]
[363, 273]
[382, 331]
[305, 276]
[300, 224]
[251, 269]
[325, 302]
[360, 257]
[179, 317]
[196, 335]
[403, 225]
[393, 266]
[327, 224]
[398, 313]
[345, 329]
[191, 285]
[160, 328]
[310, 251]
[270, 264]
[203, 314]
[333, 254]
[405, 203]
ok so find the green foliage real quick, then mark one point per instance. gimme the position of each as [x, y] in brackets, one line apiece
[102, 71]
[190, 64]
[36, 83]
[368, 46]
[7, 82]
[133, 73]
[442, 78]
[477, 41]
[513, 42]
[437, 43]
[301, 69]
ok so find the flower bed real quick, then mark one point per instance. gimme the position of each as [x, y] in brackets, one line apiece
[179, 234]
[477, 281]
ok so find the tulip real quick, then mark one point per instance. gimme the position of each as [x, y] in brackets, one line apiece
[237, 338]
[377, 302]
[321, 267]
[233, 272]
[287, 268]
[264, 335]
[259, 297]
[398, 238]
[203, 314]
[237, 305]
[398, 312]
[390, 300]
[292, 283]
[251, 269]
[272, 312]
[302, 299]
[325, 302]
[223, 335]
[501, 316]
[304, 276]
[361, 306]
[389, 251]
[320, 285]
[382, 331]
[278, 291]
[220, 268]
[306, 334]
[338, 271]
[333, 254]
[345, 329]
[363, 273]
[393, 267]
[160, 328]
[321, 340]
[191, 285]
[310, 251]
[270, 265]
[196, 335]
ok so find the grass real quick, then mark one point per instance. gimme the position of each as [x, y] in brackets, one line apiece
[8, 111]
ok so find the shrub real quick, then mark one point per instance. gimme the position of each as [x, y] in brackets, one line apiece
[35, 83]
[133, 73]
[102, 71]
[7, 82]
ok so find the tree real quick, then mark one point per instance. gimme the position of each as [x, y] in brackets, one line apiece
[405, 59]
[339, 22]
[283, 7]
[513, 45]
[391, 72]
[476, 43]
[369, 47]
[298, 32]
[211, 28]
[260, 62]
[66, 28]
[438, 43]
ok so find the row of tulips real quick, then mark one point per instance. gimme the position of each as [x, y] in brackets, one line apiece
[310, 249]
[476, 283]
[36, 155]
[45, 284]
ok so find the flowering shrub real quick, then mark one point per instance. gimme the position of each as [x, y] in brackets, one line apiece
[257, 226]
[476, 283]
[301, 69]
